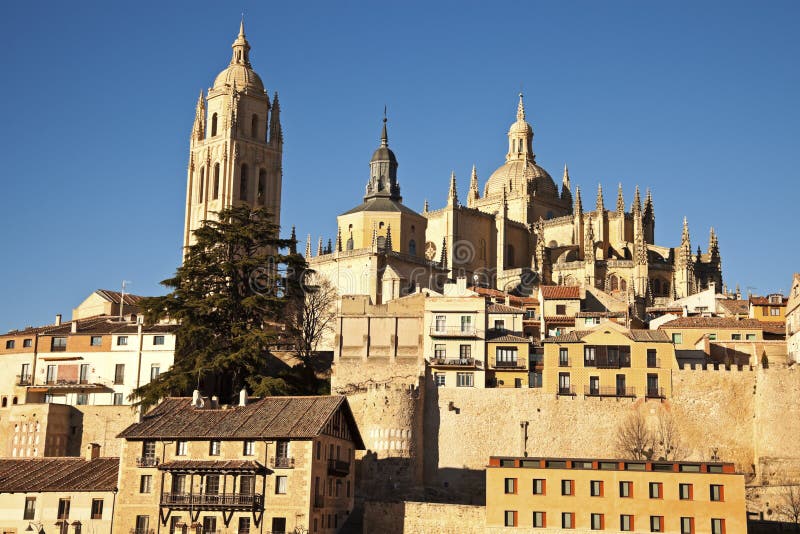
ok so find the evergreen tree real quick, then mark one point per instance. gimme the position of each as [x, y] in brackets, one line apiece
[229, 297]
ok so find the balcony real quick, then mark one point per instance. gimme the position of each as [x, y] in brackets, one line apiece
[147, 461]
[58, 348]
[212, 501]
[563, 363]
[338, 468]
[513, 364]
[609, 391]
[24, 380]
[453, 331]
[653, 362]
[455, 362]
[319, 501]
[565, 391]
[281, 462]
[655, 393]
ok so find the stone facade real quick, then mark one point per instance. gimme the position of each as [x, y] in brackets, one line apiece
[793, 319]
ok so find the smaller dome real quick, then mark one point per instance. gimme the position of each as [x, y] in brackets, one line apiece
[246, 79]
[521, 127]
[383, 153]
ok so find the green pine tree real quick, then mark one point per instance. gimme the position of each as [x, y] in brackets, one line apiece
[229, 298]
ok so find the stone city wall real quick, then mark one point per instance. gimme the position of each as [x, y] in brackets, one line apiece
[406, 517]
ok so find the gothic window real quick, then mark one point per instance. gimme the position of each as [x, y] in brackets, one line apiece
[202, 184]
[262, 185]
[254, 126]
[350, 244]
[613, 283]
[216, 181]
[412, 247]
[243, 183]
[213, 125]
[510, 256]
[623, 285]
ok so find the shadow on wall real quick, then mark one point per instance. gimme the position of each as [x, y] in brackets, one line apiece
[756, 526]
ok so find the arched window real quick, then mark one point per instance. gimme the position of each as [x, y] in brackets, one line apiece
[213, 125]
[202, 184]
[613, 283]
[216, 181]
[243, 183]
[510, 256]
[350, 244]
[254, 126]
[623, 285]
[262, 186]
[5, 402]
[14, 400]
[412, 247]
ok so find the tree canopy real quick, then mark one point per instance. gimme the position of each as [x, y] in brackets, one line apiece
[229, 298]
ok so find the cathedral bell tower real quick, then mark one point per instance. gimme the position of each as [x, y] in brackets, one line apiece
[236, 147]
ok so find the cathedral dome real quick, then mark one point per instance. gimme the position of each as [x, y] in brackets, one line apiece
[518, 176]
[244, 77]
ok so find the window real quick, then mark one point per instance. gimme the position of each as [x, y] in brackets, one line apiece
[538, 486]
[202, 189]
[567, 520]
[717, 493]
[261, 187]
[209, 524]
[178, 483]
[567, 487]
[439, 351]
[143, 521]
[440, 322]
[656, 490]
[249, 447]
[589, 356]
[685, 492]
[63, 509]
[83, 375]
[717, 526]
[464, 380]
[499, 324]
[626, 489]
[564, 387]
[466, 324]
[656, 523]
[539, 519]
[244, 525]
[736, 337]
[155, 370]
[511, 518]
[750, 337]
[626, 523]
[82, 399]
[118, 399]
[145, 483]
[775, 312]
[439, 379]
[465, 352]
[27, 343]
[561, 309]
[596, 488]
[158, 340]
[213, 125]
[212, 484]
[10, 344]
[282, 449]
[677, 338]
[30, 508]
[511, 485]
[213, 448]
[119, 373]
[96, 341]
[412, 247]
[122, 340]
[687, 525]
[506, 356]
[215, 189]
[652, 360]
[243, 185]
[563, 357]
[247, 484]
[58, 344]
[589, 321]
[180, 448]
[148, 449]
[597, 522]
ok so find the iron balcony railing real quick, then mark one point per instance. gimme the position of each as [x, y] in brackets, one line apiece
[210, 500]
[655, 393]
[563, 363]
[147, 461]
[282, 462]
[453, 331]
[66, 382]
[513, 364]
[454, 362]
[566, 391]
[24, 380]
[319, 501]
[338, 467]
[609, 391]
[58, 348]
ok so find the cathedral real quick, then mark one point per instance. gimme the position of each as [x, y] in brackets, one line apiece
[521, 232]
[236, 147]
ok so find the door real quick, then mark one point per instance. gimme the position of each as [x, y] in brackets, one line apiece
[620, 385]
[594, 385]
[51, 374]
[652, 385]
[278, 525]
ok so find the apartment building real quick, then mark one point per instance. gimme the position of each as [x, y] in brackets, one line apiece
[771, 309]
[564, 494]
[60, 495]
[559, 305]
[689, 333]
[609, 360]
[273, 464]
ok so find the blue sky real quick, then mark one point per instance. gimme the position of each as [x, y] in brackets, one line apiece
[696, 100]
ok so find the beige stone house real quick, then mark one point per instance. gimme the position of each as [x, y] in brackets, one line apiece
[273, 464]
[59, 495]
[793, 319]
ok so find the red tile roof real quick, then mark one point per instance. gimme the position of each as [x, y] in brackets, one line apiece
[559, 319]
[211, 465]
[561, 292]
[500, 337]
[269, 417]
[712, 322]
[764, 301]
[635, 334]
[102, 324]
[114, 296]
[502, 308]
[58, 474]
[734, 307]
[496, 293]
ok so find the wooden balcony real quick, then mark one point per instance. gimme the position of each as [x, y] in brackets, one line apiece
[610, 391]
[466, 363]
[281, 462]
[147, 461]
[338, 468]
[212, 501]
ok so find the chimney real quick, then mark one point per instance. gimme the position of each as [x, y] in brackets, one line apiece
[461, 285]
[74, 327]
[243, 397]
[196, 398]
[58, 319]
[508, 300]
[215, 401]
[92, 451]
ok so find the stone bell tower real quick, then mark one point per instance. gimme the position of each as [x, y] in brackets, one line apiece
[236, 147]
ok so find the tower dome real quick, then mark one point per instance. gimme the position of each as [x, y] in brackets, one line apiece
[240, 72]
[520, 174]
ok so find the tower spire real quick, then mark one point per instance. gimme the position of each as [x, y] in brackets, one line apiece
[241, 48]
[308, 247]
[198, 130]
[293, 240]
[474, 194]
[275, 131]
[578, 203]
[521, 108]
[636, 207]
[384, 133]
[600, 205]
[620, 200]
[452, 195]
[566, 188]
[649, 214]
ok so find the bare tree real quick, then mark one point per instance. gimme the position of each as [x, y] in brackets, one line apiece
[312, 316]
[789, 507]
[635, 438]
[668, 439]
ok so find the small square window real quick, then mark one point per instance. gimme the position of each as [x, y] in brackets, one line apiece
[118, 399]
[180, 448]
[82, 399]
[96, 341]
[677, 338]
[122, 340]
[146, 484]
[213, 448]
[736, 337]
[248, 449]
[538, 486]
[561, 309]
[158, 340]
[27, 343]
[712, 336]
[10, 344]
[439, 379]
[750, 337]
[510, 485]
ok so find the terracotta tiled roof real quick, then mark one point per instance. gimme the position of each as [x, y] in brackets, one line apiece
[269, 417]
[496, 293]
[774, 328]
[113, 296]
[209, 465]
[500, 336]
[664, 309]
[571, 337]
[58, 474]
[561, 292]
[712, 322]
[734, 307]
[502, 308]
[764, 301]
[648, 335]
[610, 314]
[102, 324]
[559, 319]
[635, 334]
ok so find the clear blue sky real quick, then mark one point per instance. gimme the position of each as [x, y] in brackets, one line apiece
[696, 100]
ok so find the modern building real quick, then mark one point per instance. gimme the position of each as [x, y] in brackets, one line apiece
[564, 494]
[62, 495]
[609, 360]
[236, 145]
[273, 464]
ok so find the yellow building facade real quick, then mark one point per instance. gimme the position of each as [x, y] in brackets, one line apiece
[564, 494]
[688, 333]
[609, 360]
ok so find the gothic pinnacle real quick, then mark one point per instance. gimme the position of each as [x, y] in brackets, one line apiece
[388, 242]
[636, 207]
[578, 203]
[600, 205]
[319, 246]
[308, 247]
[384, 134]
[425, 206]
[649, 212]
[452, 195]
[521, 109]
[620, 199]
